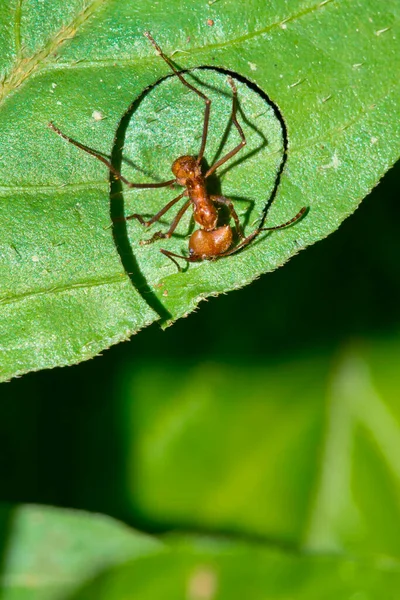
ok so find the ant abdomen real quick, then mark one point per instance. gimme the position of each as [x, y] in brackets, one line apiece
[204, 244]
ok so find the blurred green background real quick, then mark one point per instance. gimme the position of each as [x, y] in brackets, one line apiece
[271, 413]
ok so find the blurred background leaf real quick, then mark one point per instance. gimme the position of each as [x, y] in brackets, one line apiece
[204, 569]
[48, 552]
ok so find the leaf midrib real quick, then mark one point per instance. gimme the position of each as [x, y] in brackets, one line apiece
[118, 278]
[25, 67]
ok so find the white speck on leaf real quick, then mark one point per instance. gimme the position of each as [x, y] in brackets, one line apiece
[296, 83]
[380, 31]
[333, 164]
[97, 115]
[253, 66]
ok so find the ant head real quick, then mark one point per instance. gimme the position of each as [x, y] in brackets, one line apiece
[184, 168]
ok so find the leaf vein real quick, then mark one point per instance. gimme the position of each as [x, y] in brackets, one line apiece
[83, 64]
[26, 67]
[17, 28]
[6, 190]
[338, 129]
[63, 288]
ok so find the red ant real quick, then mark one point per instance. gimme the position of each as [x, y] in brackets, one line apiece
[210, 241]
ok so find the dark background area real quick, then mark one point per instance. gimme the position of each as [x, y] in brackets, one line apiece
[60, 439]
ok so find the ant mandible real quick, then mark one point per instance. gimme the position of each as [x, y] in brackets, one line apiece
[210, 241]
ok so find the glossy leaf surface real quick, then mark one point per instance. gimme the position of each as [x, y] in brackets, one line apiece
[70, 285]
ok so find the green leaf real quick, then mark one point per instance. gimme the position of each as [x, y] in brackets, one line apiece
[49, 551]
[52, 553]
[302, 452]
[205, 569]
[69, 286]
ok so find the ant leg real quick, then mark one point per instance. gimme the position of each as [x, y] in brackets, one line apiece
[170, 255]
[191, 87]
[110, 167]
[255, 233]
[160, 235]
[234, 120]
[159, 214]
[232, 212]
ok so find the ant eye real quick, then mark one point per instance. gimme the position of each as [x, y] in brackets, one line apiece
[191, 251]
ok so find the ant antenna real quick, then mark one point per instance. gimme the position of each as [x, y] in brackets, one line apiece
[191, 87]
